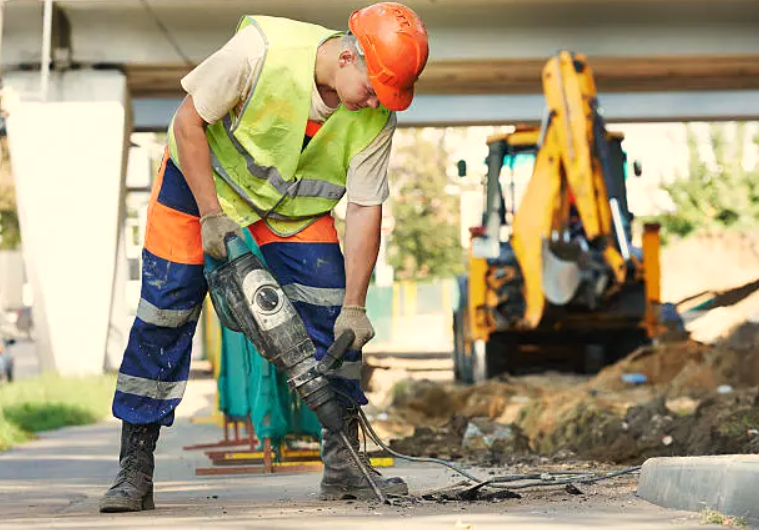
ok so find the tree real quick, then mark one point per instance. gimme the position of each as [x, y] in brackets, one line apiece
[718, 191]
[10, 232]
[425, 242]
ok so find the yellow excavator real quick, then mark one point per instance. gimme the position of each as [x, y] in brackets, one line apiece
[553, 277]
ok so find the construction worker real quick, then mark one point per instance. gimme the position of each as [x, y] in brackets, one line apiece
[276, 127]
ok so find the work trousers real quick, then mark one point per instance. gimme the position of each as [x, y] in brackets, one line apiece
[154, 371]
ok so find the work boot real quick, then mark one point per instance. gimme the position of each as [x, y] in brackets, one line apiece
[342, 478]
[132, 490]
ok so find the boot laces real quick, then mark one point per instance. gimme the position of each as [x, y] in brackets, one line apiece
[363, 453]
[356, 414]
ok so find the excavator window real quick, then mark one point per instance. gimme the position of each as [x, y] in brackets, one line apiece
[518, 165]
[519, 151]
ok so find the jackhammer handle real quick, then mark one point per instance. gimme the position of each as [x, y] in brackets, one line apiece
[341, 345]
[337, 351]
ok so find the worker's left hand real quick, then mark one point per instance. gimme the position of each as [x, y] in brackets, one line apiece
[354, 318]
[214, 228]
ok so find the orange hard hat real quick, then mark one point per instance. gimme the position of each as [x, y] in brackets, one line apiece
[394, 43]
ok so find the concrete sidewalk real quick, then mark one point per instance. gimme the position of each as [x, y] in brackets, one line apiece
[56, 481]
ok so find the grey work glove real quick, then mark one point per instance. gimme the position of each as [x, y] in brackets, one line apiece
[214, 226]
[354, 318]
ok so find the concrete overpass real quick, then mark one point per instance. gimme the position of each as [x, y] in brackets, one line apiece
[653, 59]
[115, 67]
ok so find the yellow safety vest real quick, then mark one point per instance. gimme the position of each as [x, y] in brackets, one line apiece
[260, 168]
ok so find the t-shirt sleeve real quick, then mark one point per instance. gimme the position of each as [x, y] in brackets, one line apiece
[367, 182]
[221, 81]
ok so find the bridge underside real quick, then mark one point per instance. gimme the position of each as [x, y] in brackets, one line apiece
[522, 76]
[653, 59]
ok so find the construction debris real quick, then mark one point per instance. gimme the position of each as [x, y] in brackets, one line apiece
[483, 434]
[696, 399]
[692, 395]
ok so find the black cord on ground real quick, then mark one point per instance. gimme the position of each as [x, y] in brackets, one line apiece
[580, 477]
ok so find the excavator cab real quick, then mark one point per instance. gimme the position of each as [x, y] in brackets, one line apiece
[519, 149]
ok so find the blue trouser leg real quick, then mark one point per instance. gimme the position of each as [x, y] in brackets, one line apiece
[156, 364]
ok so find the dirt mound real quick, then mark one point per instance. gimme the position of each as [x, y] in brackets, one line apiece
[474, 439]
[427, 403]
[689, 367]
[733, 361]
[590, 428]
[441, 442]
[722, 424]
[709, 262]
[660, 365]
[697, 399]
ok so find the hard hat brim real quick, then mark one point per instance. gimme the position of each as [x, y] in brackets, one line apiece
[393, 98]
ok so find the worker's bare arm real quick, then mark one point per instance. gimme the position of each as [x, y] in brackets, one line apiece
[195, 156]
[362, 239]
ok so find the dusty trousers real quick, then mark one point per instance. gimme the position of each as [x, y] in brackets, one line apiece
[156, 363]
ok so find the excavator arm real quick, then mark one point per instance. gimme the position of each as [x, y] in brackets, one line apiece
[569, 173]
[567, 275]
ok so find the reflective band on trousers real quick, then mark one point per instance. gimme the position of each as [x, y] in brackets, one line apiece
[296, 188]
[161, 390]
[166, 318]
[325, 297]
[320, 296]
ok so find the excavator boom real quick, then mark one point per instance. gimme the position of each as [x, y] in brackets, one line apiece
[568, 174]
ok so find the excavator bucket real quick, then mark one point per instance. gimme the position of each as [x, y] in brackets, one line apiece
[561, 277]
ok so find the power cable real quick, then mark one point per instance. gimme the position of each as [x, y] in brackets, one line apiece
[535, 480]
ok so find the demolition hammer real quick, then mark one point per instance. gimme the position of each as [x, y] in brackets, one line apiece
[248, 299]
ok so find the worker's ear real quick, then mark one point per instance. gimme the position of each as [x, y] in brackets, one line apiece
[346, 57]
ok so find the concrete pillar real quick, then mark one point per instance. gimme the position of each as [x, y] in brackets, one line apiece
[11, 280]
[68, 160]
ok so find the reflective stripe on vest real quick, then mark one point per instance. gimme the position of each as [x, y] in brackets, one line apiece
[261, 169]
[300, 188]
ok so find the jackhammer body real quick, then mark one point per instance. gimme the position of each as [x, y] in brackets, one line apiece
[248, 299]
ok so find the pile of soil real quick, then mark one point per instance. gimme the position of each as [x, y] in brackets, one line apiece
[424, 403]
[603, 419]
[689, 367]
[722, 424]
[660, 365]
[687, 271]
[449, 443]
[591, 429]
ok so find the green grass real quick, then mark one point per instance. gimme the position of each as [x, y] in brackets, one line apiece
[714, 517]
[50, 402]
[739, 424]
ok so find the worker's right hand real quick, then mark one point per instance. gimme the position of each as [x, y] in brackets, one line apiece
[354, 318]
[214, 227]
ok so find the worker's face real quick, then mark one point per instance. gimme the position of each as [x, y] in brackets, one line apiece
[352, 83]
